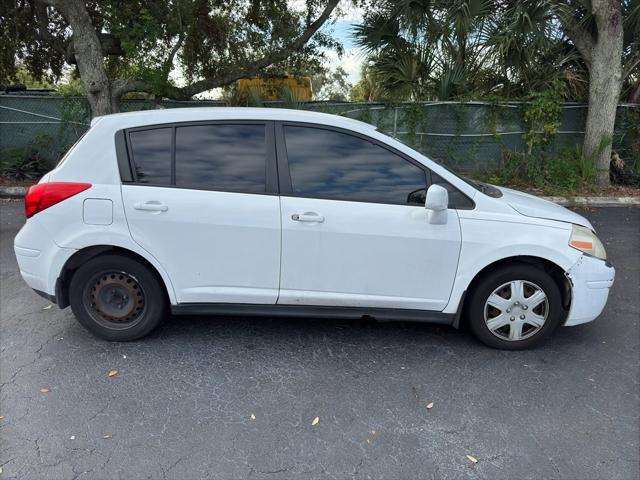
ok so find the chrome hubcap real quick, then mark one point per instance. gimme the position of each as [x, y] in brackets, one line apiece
[516, 310]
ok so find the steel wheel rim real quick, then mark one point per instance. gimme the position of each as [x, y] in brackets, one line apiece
[115, 300]
[516, 310]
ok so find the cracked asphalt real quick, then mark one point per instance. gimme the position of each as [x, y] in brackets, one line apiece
[181, 406]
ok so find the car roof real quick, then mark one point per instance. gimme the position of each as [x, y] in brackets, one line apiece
[195, 114]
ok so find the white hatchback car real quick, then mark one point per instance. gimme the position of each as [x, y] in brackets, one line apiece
[282, 212]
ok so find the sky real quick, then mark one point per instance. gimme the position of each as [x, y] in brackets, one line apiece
[352, 58]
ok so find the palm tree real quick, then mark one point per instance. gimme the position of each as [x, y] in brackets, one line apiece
[423, 49]
[435, 49]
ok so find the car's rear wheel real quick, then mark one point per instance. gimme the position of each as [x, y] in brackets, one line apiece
[117, 298]
[515, 307]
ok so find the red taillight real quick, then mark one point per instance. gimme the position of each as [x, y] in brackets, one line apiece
[44, 195]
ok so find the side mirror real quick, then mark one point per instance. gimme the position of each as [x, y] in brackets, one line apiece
[436, 204]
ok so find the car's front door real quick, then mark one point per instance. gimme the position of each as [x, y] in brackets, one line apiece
[354, 227]
[204, 203]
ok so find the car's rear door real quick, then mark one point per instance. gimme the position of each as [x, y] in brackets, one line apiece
[203, 201]
[354, 228]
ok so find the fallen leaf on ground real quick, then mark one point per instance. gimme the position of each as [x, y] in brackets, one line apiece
[315, 421]
[472, 459]
[430, 406]
[48, 307]
[373, 434]
[112, 373]
[107, 436]
[253, 417]
[44, 390]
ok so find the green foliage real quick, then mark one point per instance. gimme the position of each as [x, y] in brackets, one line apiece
[71, 86]
[331, 85]
[22, 47]
[368, 88]
[24, 77]
[423, 49]
[254, 98]
[542, 115]
[210, 38]
[626, 141]
[157, 42]
[289, 100]
[414, 118]
[561, 173]
[28, 163]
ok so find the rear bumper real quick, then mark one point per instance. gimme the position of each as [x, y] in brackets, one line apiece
[591, 279]
[40, 259]
[51, 298]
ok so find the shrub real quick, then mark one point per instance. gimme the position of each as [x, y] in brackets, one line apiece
[563, 172]
[26, 163]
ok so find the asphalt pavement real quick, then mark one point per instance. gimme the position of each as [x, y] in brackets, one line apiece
[227, 398]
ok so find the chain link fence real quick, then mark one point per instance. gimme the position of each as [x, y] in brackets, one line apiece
[468, 136]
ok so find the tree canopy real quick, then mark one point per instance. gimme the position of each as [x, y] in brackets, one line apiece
[132, 45]
[430, 49]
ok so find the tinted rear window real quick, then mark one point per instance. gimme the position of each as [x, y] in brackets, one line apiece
[222, 157]
[152, 155]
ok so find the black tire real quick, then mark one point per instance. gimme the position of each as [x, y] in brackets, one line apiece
[117, 298]
[532, 277]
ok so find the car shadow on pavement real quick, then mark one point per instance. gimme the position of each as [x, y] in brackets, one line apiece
[194, 329]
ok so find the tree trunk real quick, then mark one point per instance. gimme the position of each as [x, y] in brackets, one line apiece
[634, 96]
[605, 81]
[89, 57]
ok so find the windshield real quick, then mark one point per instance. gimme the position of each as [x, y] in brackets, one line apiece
[485, 188]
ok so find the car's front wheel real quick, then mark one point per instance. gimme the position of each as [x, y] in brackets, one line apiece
[515, 307]
[117, 298]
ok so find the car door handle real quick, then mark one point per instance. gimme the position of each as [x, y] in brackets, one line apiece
[151, 206]
[311, 217]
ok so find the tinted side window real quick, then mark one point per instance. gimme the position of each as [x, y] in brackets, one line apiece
[222, 157]
[335, 165]
[152, 155]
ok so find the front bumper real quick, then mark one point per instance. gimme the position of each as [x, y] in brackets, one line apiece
[590, 279]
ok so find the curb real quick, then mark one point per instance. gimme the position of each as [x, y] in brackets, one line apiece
[19, 192]
[13, 192]
[595, 201]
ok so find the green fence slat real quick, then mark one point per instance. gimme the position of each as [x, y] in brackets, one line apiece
[467, 136]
